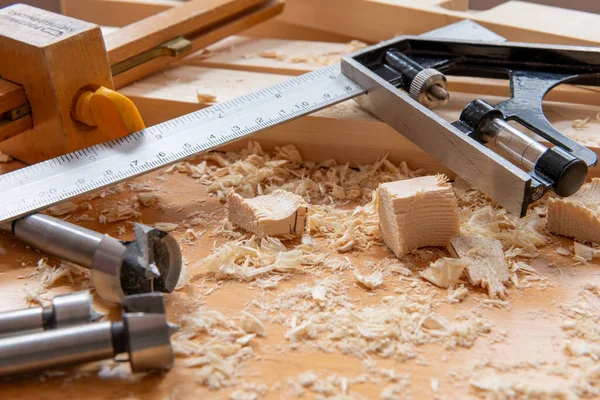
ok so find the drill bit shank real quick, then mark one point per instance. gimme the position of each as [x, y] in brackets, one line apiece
[143, 333]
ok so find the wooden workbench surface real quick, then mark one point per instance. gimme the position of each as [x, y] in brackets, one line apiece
[526, 339]
[522, 355]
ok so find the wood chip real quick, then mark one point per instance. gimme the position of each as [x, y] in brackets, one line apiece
[166, 226]
[64, 208]
[416, 213]
[445, 272]
[577, 216]
[370, 281]
[485, 261]
[275, 214]
[205, 98]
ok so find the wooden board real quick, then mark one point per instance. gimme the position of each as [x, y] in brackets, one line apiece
[376, 20]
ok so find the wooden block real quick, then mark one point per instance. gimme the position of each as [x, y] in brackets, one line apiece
[11, 96]
[416, 213]
[275, 214]
[485, 263]
[577, 216]
[52, 57]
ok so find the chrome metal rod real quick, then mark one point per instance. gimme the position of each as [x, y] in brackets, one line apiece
[66, 310]
[37, 351]
[59, 238]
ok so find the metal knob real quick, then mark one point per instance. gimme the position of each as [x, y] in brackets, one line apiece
[425, 85]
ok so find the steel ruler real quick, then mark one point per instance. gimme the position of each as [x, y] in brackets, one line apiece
[42, 185]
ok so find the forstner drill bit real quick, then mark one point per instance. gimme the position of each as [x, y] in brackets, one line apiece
[143, 333]
[65, 310]
[149, 263]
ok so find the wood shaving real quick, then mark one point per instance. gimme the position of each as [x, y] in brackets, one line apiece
[205, 98]
[445, 272]
[253, 172]
[250, 258]
[61, 209]
[519, 236]
[562, 251]
[166, 226]
[273, 55]
[52, 275]
[4, 158]
[371, 281]
[584, 253]
[486, 265]
[148, 199]
[579, 124]
[123, 211]
[250, 324]
[457, 295]
[577, 216]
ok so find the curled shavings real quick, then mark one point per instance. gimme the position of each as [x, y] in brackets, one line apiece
[522, 236]
[63, 208]
[371, 281]
[445, 272]
[52, 275]
[346, 230]
[205, 98]
[250, 258]
[166, 226]
[584, 253]
[579, 124]
[253, 172]
[250, 324]
[123, 211]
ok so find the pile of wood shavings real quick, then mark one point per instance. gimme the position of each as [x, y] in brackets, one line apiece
[51, 275]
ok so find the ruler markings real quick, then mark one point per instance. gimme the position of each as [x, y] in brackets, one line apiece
[36, 187]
